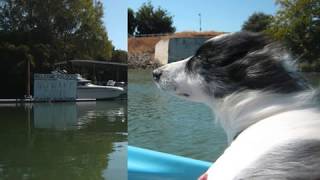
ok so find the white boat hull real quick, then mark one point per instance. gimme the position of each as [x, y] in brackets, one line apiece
[99, 92]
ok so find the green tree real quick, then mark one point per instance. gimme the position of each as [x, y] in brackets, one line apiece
[152, 20]
[69, 28]
[131, 22]
[297, 23]
[91, 36]
[119, 56]
[257, 22]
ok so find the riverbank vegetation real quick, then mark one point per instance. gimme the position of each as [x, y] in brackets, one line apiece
[297, 25]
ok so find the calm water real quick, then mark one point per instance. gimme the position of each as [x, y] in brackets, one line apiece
[165, 123]
[69, 141]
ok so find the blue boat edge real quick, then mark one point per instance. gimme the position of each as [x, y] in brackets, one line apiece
[145, 164]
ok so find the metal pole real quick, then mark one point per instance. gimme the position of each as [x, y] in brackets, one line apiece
[94, 74]
[117, 73]
[200, 21]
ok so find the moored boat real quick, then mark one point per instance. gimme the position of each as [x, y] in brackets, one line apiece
[87, 90]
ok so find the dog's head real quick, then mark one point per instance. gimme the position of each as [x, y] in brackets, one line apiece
[227, 64]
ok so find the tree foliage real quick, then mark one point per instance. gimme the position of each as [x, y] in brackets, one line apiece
[151, 20]
[47, 31]
[66, 28]
[297, 23]
[131, 22]
[257, 22]
[119, 56]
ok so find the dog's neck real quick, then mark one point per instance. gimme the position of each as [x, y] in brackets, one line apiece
[238, 111]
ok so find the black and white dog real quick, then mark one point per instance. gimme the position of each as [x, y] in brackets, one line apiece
[266, 108]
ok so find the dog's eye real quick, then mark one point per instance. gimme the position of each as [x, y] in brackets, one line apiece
[202, 58]
[197, 57]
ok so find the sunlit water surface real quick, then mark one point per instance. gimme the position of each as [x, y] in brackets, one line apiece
[165, 123]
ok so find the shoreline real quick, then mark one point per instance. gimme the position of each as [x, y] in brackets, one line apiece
[142, 61]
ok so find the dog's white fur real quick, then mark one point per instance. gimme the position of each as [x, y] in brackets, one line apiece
[256, 122]
[176, 81]
[265, 121]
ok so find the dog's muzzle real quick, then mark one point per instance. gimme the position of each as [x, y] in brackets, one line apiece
[156, 74]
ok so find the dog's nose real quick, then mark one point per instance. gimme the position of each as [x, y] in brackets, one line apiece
[156, 74]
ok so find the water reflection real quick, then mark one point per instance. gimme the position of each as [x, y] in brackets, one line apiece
[63, 141]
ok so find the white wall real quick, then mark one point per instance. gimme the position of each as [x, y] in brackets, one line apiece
[55, 87]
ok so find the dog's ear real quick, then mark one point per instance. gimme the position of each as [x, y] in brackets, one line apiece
[263, 72]
[228, 49]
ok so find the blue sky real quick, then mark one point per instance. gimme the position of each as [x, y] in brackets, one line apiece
[115, 20]
[217, 15]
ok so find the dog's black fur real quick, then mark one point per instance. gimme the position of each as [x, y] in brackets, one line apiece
[244, 61]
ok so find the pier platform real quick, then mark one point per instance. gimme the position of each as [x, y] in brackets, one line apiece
[38, 101]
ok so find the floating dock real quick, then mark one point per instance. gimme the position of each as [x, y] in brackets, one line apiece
[15, 101]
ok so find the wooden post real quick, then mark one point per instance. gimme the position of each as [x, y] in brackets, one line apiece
[28, 78]
[27, 54]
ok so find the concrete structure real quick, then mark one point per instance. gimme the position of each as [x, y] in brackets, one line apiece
[161, 51]
[175, 49]
[55, 87]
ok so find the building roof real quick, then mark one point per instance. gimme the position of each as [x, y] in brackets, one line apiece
[78, 61]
